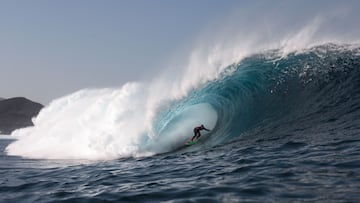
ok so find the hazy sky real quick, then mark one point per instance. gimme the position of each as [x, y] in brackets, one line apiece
[50, 48]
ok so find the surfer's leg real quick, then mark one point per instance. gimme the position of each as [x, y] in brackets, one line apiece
[195, 134]
[198, 135]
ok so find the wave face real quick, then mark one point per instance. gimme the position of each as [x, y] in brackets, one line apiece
[265, 94]
[315, 90]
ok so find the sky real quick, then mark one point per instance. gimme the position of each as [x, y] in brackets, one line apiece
[51, 48]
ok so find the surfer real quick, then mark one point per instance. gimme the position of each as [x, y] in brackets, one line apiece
[197, 130]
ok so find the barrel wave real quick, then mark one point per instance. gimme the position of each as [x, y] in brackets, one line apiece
[262, 96]
[269, 94]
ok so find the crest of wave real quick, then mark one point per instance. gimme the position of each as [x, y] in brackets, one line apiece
[245, 32]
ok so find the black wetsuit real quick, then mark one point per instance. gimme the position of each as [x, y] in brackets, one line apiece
[197, 132]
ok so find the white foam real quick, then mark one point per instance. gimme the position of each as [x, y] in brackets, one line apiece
[88, 124]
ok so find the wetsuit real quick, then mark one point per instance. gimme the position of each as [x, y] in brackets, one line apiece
[197, 132]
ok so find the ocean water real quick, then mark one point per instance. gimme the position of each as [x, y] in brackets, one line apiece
[283, 129]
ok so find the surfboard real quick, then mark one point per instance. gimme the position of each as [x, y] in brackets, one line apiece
[189, 143]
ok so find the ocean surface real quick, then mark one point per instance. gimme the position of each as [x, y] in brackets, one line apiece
[283, 129]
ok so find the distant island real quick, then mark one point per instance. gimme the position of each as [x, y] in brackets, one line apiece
[17, 113]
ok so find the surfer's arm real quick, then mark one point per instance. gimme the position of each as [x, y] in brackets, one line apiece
[206, 129]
